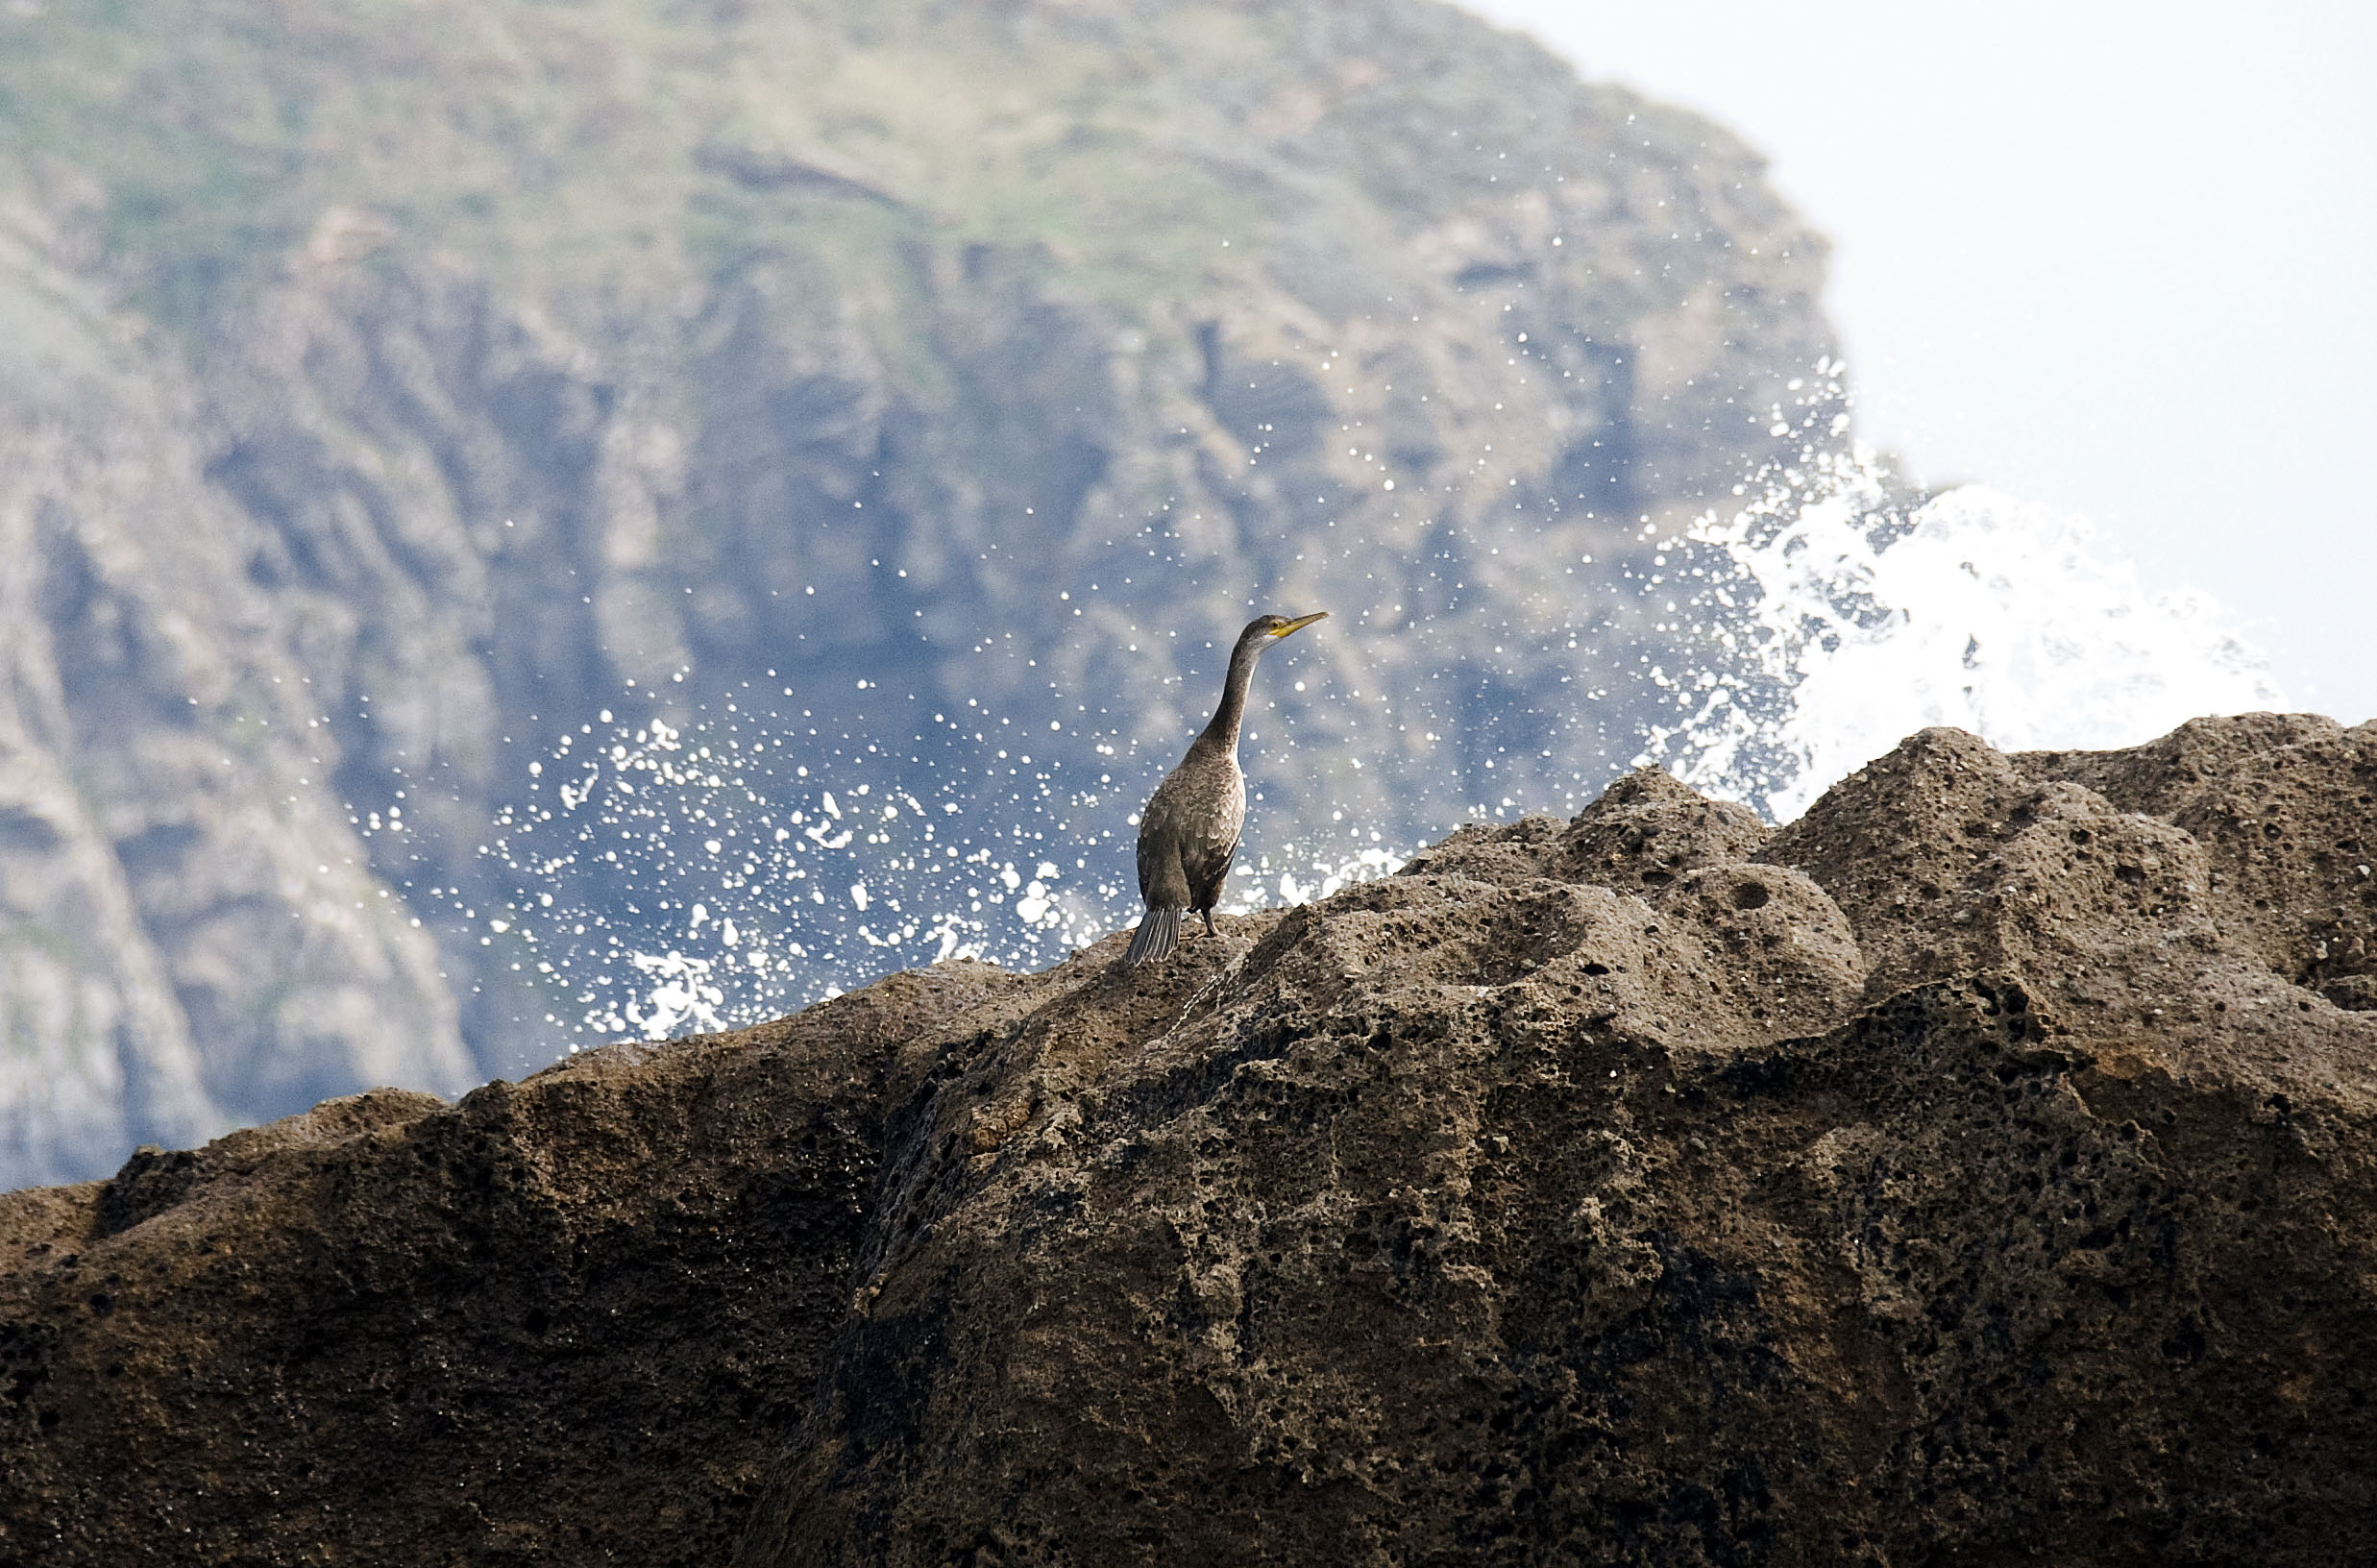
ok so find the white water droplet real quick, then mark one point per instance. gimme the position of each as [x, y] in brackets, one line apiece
[1976, 610]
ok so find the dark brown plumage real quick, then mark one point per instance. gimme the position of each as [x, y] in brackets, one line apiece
[1190, 831]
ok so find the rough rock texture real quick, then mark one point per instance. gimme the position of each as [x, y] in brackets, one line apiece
[2286, 807]
[383, 387]
[1962, 1175]
[570, 1320]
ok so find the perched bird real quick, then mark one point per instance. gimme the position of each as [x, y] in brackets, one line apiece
[1191, 829]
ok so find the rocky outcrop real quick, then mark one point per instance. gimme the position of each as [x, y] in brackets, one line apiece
[386, 400]
[1979, 1169]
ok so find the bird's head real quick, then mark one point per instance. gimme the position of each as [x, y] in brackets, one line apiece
[1265, 630]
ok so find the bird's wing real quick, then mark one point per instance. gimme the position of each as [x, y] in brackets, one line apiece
[1216, 848]
[1211, 894]
[1160, 874]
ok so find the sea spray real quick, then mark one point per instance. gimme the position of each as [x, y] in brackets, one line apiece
[731, 865]
[1838, 614]
[670, 879]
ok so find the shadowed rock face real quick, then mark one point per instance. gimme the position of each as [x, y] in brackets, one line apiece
[1979, 1169]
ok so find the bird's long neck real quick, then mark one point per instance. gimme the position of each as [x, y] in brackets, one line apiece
[1223, 731]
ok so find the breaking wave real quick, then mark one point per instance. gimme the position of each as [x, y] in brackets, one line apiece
[1836, 617]
[674, 879]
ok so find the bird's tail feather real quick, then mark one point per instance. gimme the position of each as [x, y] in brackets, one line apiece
[1159, 931]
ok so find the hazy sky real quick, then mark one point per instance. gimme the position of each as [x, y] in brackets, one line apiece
[2117, 258]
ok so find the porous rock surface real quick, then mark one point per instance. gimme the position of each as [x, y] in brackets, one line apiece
[1977, 1170]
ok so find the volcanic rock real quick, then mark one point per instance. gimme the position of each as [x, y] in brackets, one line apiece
[1981, 1168]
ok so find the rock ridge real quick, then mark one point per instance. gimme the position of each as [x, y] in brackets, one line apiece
[1981, 1168]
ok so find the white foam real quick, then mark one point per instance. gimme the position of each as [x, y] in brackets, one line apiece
[1835, 622]
[1816, 622]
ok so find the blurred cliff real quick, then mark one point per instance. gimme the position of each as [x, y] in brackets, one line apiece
[384, 386]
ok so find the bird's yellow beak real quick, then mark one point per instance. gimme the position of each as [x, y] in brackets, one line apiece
[1299, 623]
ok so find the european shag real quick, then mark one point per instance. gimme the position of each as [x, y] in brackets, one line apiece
[1191, 829]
